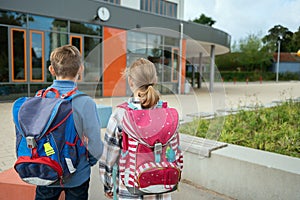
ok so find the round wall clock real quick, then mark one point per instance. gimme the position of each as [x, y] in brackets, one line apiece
[103, 13]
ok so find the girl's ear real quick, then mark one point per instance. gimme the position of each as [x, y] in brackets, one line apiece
[130, 82]
[51, 70]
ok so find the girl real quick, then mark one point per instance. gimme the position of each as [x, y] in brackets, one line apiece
[141, 77]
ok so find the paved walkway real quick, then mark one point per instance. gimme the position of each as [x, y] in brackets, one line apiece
[225, 96]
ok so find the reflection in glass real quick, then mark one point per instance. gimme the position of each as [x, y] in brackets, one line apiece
[4, 76]
[175, 65]
[167, 67]
[47, 23]
[159, 50]
[136, 37]
[19, 57]
[155, 39]
[37, 56]
[12, 91]
[13, 18]
[113, 1]
[85, 28]
[77, 42]
[138, 48]
[171, 41]
[52, 41]
[92, 58]
[155, 55]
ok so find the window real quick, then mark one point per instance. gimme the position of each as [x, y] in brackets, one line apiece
[76, 41]
[4, 70]
[113, 1]
[37, 65]
[85, 28]
[161, 7]
[53, 40]
[136, 42]
[92, 59]
[13, 18]
[175, 64]
[47, 23]
[18, 46]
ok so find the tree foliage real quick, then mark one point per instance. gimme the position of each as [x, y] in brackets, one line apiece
[277, 33]
[254, 56]
[255, 52]
[295, 44]
[203, 19]
[249, 55]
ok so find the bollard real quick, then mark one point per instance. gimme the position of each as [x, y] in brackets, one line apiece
[260, 79]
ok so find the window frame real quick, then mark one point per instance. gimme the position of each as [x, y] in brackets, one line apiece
[13, 57]
[43, 56]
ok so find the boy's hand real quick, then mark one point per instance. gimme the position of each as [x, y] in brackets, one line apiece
[109, 195]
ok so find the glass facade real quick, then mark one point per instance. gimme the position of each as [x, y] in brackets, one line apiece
[163, 51]
[161, 7]
[4, 70]
[27, 41]
[113, 1]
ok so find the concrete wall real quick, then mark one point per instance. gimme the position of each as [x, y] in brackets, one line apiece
[244, 173]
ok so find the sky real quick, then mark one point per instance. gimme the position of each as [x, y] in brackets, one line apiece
[240, 18]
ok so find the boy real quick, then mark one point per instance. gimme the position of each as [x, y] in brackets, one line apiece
[66, 66]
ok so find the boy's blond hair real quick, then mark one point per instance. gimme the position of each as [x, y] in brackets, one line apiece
[66, 61]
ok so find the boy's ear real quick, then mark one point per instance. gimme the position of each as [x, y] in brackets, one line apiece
[51, 70]
[80, 71]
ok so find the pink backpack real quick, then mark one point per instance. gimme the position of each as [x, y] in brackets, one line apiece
[151, 160]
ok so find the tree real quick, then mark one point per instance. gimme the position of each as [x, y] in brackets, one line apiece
[281, 33]
[296, 41]
[249, 55]
[204, 20]
[254, 55]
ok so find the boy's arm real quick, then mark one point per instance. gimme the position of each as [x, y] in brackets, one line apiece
[89, 127]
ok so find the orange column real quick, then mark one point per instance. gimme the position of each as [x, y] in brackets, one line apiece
[114, 62]
[183, 63]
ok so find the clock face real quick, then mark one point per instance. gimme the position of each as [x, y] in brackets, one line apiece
[103, 13]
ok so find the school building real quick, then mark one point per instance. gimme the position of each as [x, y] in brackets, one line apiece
[110, 34]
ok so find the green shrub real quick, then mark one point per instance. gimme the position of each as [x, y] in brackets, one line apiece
[275, 129]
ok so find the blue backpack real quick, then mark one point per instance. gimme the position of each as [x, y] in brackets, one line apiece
[47, 144]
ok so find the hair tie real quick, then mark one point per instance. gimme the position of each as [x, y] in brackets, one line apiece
[147, 85]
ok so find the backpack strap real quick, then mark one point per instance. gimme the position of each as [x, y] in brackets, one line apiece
[42, 93]
[162, 104]
[70, 93]
[114, 177]
[124, 106]
[130, 106]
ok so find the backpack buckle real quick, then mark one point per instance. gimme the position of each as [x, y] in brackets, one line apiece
[31, 143]
[157, 152]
